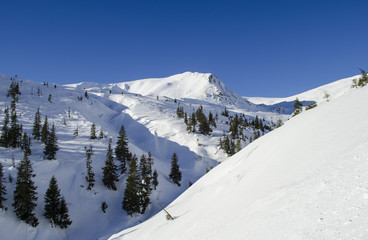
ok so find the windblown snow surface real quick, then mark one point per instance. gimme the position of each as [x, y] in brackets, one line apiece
[305, 180]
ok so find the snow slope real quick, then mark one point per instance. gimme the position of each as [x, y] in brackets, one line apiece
[334, 90]
[305, 180]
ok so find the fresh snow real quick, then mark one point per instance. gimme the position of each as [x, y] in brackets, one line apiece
[305, 180]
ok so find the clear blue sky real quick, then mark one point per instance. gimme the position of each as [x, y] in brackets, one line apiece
[257, 48]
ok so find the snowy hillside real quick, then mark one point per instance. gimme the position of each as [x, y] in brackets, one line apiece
[318, 95]
[151, 124]
[305, 180]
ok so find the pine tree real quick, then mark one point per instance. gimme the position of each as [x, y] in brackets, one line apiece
[25, 193]
[4, 139]
[297, 107]
[155, 179]
[63, 220]
[93, 131]
[45, 131]
[2, 188]
[204, 126]
[90, 175]
[15, 131]
[52, 201]
[131, 201]
[36, 132]
[110, 175]
[121, 150]
[76, 131]
[101, 135]
[51, 146]
[175, 174]
[56, 210]
[145, 188]
[26, 144]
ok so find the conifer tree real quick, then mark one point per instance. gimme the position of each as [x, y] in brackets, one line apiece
[131, 201]
[90, 178]
[145, 188]
[36, 132]
[2, 187]
[56, 210]
[15, 131]
[204, 126]
[175, 173]
[51, 146]
[121, 150]
[45, 130]
[93, 131]
[297, 107]
[52, 201]
[110, 175]
[25, 193]
[211, 120]
[64, 220]
[155, 179]
[4, 139]
[26, 144]
[101, 134]
[76, 131]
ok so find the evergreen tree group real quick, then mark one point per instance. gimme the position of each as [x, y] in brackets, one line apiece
[56, 210]
[140, 182]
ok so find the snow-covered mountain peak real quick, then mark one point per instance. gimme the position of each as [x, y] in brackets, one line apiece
[188, 85]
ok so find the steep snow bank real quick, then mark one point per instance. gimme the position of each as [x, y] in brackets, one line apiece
[305, 180]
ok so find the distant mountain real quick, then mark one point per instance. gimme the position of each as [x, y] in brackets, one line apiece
[305, 180]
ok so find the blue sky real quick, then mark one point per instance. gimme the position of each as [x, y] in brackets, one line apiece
[257, 48]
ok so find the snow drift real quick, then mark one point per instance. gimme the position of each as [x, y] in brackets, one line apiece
[305, 180]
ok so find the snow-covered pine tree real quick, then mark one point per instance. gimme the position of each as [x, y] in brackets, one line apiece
[90, 178]
[93, 131]
[36, 132]
[110, 175]
[45, 130]
[51, 146]
[25, 193]
[121, 150]
[2, 187]
[175, 173]
[131, 201]
[56, 210]
[4, 138]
